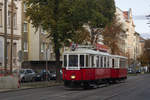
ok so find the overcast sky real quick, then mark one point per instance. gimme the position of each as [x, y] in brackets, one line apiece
[140, 8]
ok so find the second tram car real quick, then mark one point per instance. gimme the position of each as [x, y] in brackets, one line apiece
[84, 67]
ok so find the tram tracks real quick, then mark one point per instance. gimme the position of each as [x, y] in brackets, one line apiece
[105, 92]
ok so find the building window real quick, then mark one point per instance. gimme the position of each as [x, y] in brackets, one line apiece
[1, 17]
[9, 18]
[25, 27]
[15, 20]
[25, 7]
[43, 45]
[25, 46]
[43, 31]
[1, 52]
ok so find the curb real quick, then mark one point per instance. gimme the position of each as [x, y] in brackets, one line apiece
[27, 88]
[13, 90]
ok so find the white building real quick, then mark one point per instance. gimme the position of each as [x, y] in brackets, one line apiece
[17, 31]
[130, 44]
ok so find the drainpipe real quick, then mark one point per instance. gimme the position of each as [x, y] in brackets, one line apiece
[5, 36]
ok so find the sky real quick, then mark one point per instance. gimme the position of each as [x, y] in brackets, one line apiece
[140, 8]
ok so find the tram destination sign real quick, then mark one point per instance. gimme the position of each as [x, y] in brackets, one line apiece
[101, 47]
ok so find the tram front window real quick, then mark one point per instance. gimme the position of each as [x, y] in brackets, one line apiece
[65, 60]
[73, 60]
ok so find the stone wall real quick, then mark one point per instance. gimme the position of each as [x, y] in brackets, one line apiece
[9, 82]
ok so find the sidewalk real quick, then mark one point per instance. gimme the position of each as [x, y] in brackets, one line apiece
[32, 85]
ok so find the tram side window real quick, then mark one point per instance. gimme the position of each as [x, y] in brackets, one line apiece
[117, 63]
[113, 63]
[73, 60]
[65, 60]
[81, 60]
[105, 62]
[122, 63]
[87, 61]
[97, 61]
[108, 63]
[92, 61]
[101, 61]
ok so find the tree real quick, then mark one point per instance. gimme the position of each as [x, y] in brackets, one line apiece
[112, 36]
[63, 18]
[82, 36]
[145, 57]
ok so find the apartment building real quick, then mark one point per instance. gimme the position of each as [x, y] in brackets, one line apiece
[16, 31]
[35, 44]
[130, 43]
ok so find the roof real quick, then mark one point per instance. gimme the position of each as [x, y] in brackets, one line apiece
[117, 56]
[83, 51]
[86, 51]
[125, 14]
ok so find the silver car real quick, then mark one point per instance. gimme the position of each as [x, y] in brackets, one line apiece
[27, 75]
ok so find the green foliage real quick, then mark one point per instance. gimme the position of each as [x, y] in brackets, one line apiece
[63, 18]
[145, 57]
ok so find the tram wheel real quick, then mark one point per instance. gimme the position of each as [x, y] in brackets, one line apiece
[86, 86]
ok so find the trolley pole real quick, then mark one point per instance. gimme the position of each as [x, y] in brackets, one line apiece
[5, 36]
[12, 26]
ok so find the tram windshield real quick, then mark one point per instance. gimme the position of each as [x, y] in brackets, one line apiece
[65, 60]
[73, 60]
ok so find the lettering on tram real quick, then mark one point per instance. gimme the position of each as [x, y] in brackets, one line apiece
[86, 67]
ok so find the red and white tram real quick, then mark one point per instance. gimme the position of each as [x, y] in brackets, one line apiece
[84, 67]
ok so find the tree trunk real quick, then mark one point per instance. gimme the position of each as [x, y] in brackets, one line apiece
[92, 36]
[58, 64]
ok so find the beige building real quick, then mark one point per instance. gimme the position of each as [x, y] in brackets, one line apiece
[130, 43]
[17, 32]
[35, 44]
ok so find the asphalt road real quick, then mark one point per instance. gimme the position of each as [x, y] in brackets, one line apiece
[135, 88]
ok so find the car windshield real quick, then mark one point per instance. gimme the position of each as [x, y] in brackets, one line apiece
[21, 71]
[29, 71]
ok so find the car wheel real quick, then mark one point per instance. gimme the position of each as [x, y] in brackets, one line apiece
[33, 79]
[49, 79]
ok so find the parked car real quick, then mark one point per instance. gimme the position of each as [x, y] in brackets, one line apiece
[138, 71]
[44, 75]
[27, 75]
[53, 75]
[131, 71]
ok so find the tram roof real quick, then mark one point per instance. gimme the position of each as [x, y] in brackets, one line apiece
[117, 56]
[86, 51]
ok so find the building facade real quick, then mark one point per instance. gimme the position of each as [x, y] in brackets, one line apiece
[35, 44]
[16, 32]
[130, 43]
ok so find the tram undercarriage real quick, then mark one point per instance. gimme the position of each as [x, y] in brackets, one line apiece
[92, 83]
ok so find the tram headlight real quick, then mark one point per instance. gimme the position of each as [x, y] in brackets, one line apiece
[73, 76]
